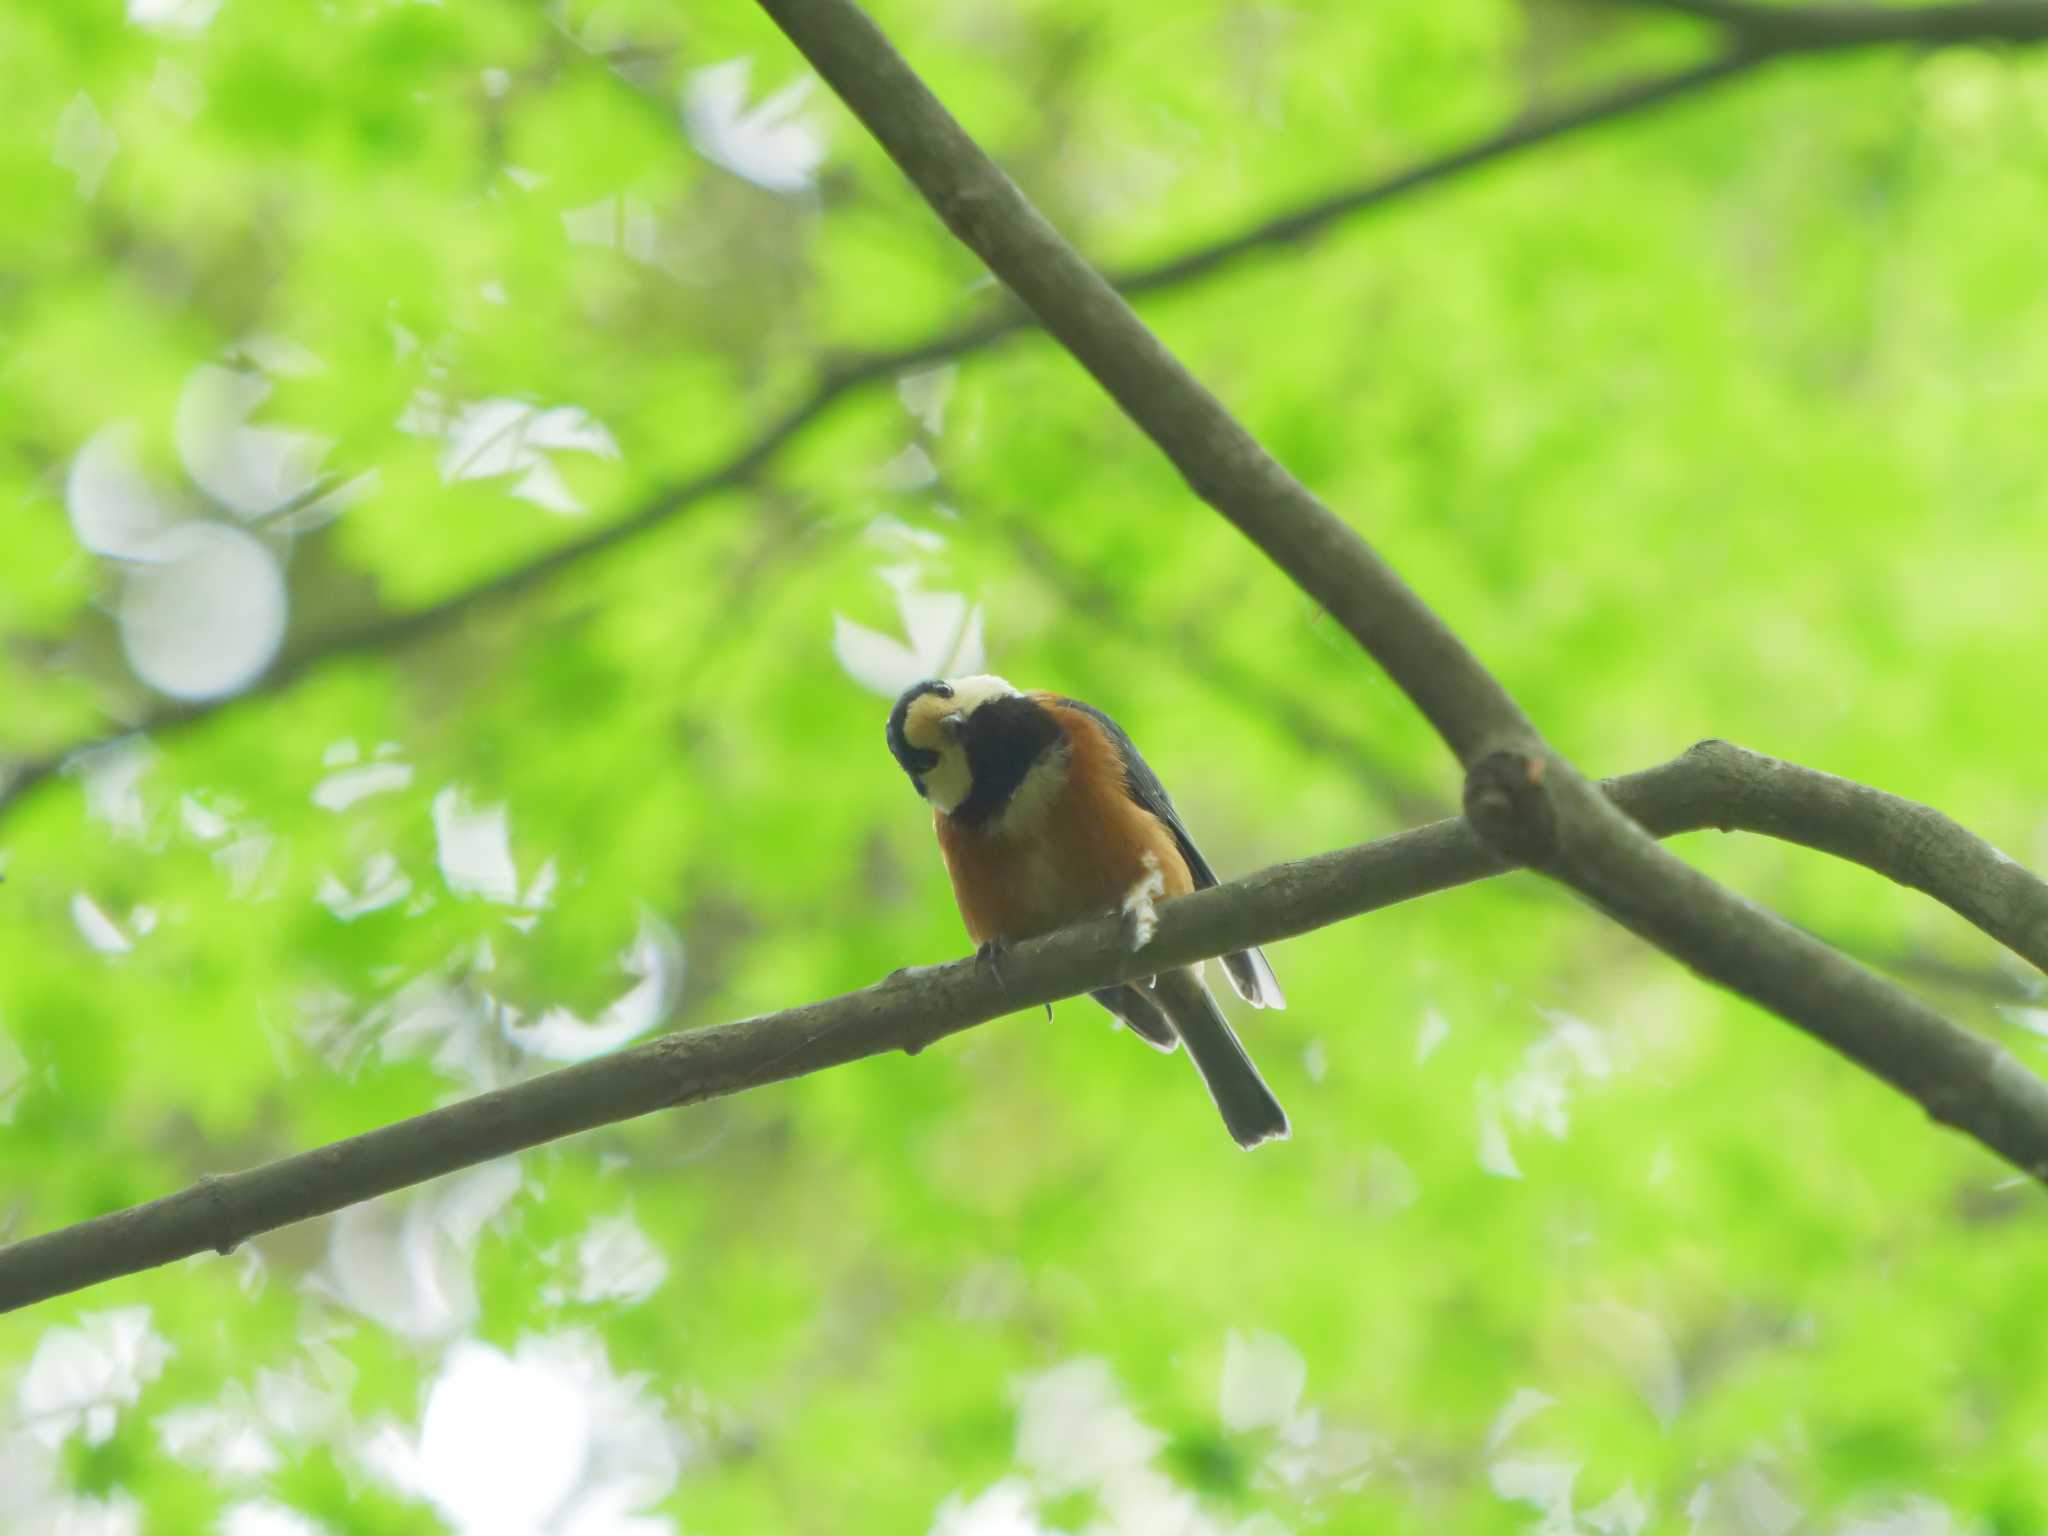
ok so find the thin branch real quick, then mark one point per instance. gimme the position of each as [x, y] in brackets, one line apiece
[1914, 845]
[1297, 225]
[1522, 797]
[1285, 230]
[1536, 129]
[1752, 46]
[1222, 462]
[1713, 785]
[1815, 28]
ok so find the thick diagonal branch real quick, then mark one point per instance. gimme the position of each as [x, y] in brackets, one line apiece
[1523, 797]
[1713, 785]
[1223, 463]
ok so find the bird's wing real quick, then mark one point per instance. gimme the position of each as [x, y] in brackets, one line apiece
[1140, 1015]
[1250, 975]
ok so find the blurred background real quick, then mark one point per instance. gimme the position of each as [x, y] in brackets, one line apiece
[474, 475]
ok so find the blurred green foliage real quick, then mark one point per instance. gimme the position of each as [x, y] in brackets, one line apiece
[1721, 420]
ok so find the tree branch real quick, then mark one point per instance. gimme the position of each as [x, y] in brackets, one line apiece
[1221, 461]
[1522, 797]
[1912, 844]
[1757, 34]
[1713, 785]
[1814, 28]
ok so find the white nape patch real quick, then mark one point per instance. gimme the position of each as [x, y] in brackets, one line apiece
[970, 693]
[1141, 917]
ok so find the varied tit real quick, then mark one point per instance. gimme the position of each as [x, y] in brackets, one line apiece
[1047, 815]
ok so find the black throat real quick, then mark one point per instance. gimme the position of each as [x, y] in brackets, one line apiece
[1004, 738]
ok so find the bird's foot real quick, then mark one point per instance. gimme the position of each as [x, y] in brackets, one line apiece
[988, 957]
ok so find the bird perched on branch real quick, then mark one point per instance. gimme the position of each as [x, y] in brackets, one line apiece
[1047, 815]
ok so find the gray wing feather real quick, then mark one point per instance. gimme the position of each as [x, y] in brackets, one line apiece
[1140, 1014]
[1251, 977]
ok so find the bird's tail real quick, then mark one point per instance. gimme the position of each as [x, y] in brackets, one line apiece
[1249, 1109]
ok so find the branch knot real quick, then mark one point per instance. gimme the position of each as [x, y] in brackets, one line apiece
[211, 1189]
[1508, 806]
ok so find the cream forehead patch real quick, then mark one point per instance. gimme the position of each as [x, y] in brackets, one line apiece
[921, 720]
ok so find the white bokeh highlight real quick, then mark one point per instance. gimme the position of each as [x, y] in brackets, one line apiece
[381, 884]
[96, 927]
[172, 15]
[1005, 1509]
[944, 638]
[84, 143]
[620, 222]
[474, 846]
[34, 1500]
[773, 143]
[112, 777]
[544, 1441]
[1077, 1436]
[408, 1262]
[1075, 1431]
[251, 469]
[353, 780]
[226, 1438]
[615, 1262]
[202, 612]
[926, 394]
[114, 507]
[1263, 1378]
[486, 439]
[656, 959]
[82, 1375]
[266, 1517]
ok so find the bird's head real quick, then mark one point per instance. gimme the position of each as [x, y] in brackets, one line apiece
[953, 734]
